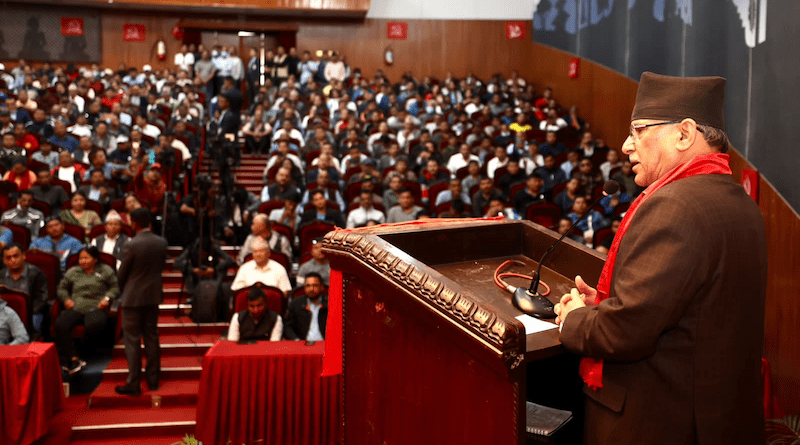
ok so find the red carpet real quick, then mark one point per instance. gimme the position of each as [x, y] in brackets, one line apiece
[105, 417]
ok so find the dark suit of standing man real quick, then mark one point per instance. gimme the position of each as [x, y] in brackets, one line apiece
[139, 278]
[672, 338]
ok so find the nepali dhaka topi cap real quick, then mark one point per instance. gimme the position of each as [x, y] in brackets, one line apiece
[675, 98]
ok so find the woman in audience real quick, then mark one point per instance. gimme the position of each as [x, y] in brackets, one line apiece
[86, 292]
[78, 214]
[131, 203]
[20, 175]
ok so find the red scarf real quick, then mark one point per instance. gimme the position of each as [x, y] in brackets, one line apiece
[591, 369]
[23, 181]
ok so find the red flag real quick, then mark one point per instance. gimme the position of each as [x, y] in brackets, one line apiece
[71, 26]
[397, 30]
[133, 32]
[515, 30]
[332, 360]
[750, 182]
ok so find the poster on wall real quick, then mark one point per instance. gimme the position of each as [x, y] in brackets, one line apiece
[515, 30]
[72, 26]
[36, 34]
[397, 30]
[133, 32]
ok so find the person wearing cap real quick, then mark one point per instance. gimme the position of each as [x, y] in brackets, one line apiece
[75, 98]
[368, 171]
[120, 157]
[146, 74]
[62, 139]
[673, 333]
[5, 76]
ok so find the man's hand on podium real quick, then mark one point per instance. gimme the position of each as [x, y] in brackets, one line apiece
[575, 299]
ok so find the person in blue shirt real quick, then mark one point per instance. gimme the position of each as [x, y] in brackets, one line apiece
[6, 237]
[62, 139]
[57, 242]
[594, 220]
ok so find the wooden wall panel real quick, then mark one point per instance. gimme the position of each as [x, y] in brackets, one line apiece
[137, 54]
[782, 316]
[307, 8]
[436, 47]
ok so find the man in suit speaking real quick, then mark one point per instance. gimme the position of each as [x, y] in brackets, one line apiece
[672, 336]
[139, 279]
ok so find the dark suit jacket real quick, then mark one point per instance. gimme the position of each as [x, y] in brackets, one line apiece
[299, 318]
[229, 122]
[122, 239]
[682, 331]
[139, 275]
[331, 216]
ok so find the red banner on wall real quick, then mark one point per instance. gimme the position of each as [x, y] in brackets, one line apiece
[71, 26]
[133, 32]
[574, 67]
[515, 30]
[750, 182]
[397, 30]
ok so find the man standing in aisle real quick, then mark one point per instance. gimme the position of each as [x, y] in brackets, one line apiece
[139, 279]
[672, 336]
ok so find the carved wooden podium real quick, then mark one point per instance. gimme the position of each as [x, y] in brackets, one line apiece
[432, 352]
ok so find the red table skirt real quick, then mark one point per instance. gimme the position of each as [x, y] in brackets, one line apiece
[31, 391]
[269, 392]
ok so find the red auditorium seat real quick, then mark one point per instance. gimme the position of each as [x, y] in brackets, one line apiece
[21, 303]
[21, 235]
[275, 299]
[543, 213]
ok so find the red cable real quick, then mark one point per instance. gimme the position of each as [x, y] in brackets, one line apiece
[498, 277]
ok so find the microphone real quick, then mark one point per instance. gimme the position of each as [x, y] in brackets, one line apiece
[529, 300]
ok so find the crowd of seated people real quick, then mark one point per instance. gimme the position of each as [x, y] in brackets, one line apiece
[82, 148]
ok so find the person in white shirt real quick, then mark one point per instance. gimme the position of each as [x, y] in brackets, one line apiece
[461, 159]
[612, 162]
[184, 60]
[261, 269]
[335, 69]
[365, 212]
[553, 122]
[500, 159]
[256, 322]
[113, 240]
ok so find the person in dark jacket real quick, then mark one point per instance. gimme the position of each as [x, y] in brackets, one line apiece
[143, 260]
[256, 322]
[308, 313]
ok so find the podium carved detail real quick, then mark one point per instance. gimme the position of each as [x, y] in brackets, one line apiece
[480, 321]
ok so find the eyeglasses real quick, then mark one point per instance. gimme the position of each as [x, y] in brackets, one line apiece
[635, 129]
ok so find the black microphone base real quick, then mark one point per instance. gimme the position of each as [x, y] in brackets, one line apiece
[534, 305]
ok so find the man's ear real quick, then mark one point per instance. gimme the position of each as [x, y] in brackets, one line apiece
[688, 129]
